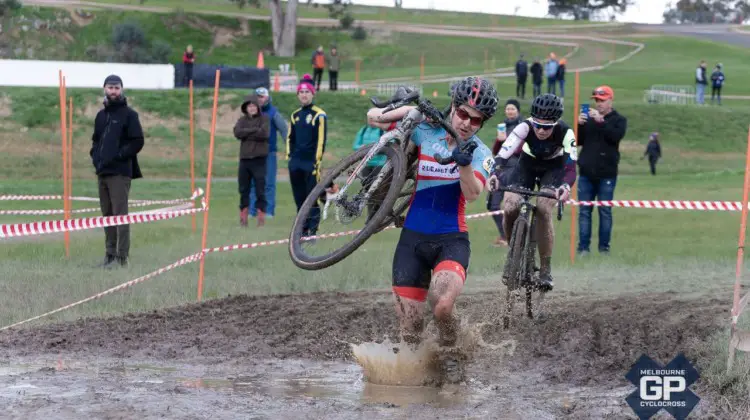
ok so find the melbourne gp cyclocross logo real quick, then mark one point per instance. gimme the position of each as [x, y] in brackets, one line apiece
[662, 387]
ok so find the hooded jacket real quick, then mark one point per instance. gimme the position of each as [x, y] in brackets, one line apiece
[117, 139]
[252, 131]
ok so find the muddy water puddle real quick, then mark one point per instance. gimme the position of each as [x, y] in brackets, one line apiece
[275, 388]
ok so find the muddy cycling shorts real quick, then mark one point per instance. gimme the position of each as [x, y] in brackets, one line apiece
[418, 255]
[530, 172]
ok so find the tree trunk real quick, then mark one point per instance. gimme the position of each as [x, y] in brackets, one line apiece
[284, 28]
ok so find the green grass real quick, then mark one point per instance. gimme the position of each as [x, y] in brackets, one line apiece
[435, 17]
[382, 55]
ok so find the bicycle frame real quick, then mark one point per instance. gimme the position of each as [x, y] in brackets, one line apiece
[401, 135]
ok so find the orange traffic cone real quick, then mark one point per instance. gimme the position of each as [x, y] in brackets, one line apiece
[276, 83]
[260, 60]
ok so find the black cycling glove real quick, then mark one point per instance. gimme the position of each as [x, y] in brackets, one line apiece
[464, 155]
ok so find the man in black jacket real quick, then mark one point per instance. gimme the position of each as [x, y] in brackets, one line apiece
[522, 72]
[117, 139]
[599, 135]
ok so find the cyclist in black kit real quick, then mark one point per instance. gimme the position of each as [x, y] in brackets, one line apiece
[548, 161]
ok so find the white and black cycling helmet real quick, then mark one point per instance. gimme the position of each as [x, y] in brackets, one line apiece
[547, 107]
[477, 93]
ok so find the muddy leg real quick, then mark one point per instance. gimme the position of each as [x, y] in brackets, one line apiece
[446, 285]
[445, 288]
[410, 318]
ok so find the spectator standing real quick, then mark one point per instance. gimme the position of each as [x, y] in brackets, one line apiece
[653, 151]
[334, 62]
[116, 142]
[495, 198]
[599, 135]
[551, 68]
[304, 149]
[536, 77]
[188, 60]
[700, 83]
[319, 64]
[277, 126]
[252, 132]
[522, 72]
[717, 81]
[561, 75]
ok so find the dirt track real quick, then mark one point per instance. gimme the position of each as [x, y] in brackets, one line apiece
[578, 357]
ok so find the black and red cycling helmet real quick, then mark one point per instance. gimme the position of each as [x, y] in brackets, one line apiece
[477, 93]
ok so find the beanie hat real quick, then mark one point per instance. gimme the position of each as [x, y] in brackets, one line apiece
[113, 79]
[306, 82]
[515, 103]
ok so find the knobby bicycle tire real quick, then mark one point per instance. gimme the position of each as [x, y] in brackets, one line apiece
[395, 155]
[516, 251]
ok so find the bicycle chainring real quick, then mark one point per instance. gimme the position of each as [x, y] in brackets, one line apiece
[349, 210]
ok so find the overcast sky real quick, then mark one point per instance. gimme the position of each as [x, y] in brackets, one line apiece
[644, 11]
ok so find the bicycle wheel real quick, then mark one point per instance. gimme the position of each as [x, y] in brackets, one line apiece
[513, 266]
[349, 210]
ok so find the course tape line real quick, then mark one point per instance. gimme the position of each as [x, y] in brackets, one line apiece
[198, 192]
[666, 205]
[696, 205]
[78, 211]
[186, 260]
[57, 226]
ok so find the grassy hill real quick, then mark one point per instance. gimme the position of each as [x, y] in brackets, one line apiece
[39, 32]
[360, 12]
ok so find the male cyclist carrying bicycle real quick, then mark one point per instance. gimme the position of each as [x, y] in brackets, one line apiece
[549, 161]
[433, 251]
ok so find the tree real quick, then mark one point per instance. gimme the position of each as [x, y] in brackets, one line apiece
[707, 11]
[283, 24]
[583, 9]
[398, 4]
[284, 27]
[339, 9]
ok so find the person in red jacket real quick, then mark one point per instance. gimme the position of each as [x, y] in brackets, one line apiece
[188, 59]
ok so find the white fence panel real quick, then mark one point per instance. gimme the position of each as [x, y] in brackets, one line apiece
[79, 74]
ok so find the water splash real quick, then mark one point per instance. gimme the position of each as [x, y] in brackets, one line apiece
[389, 363]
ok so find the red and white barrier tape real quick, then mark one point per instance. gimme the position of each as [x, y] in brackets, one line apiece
[57, 226]
[666, 204]
[197, 193]
[79, 211]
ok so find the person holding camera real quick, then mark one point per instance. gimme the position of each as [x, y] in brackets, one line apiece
[600, 131]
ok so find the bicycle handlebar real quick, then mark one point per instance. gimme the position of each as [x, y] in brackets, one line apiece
[404, 96]
[528, 193]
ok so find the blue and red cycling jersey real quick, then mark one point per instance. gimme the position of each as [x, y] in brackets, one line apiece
[438, 205]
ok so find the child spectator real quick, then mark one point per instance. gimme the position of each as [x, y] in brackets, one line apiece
[252, 131]
[653, 151]
[717, 81]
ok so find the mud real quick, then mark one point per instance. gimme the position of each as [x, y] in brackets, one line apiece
[572, 365]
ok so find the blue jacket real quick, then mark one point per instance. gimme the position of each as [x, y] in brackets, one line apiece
[277, 125]
[306, 141]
